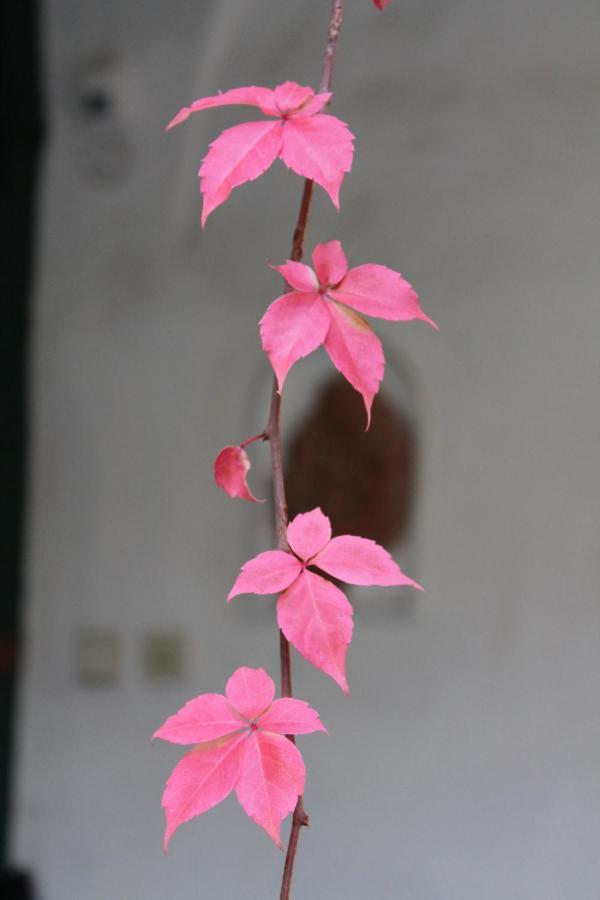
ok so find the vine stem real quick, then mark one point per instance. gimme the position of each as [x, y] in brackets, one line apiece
[273, 434]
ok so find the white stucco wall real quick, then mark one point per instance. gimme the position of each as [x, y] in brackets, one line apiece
[466, 764]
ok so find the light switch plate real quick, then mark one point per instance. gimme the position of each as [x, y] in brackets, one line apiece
[97, 656]
[163, 655]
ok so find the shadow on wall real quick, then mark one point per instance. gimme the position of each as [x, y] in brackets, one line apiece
[363, 480]
[16, 885]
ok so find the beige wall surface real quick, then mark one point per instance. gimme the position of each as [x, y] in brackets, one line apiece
[466, 765]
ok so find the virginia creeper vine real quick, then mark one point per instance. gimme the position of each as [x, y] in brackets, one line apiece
[245, 739]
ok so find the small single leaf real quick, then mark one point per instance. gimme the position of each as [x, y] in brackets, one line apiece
[356, 352]
[230, 469]
[239, 154]
[267, 573]
[250, 691]
[330, 262]
[202, 779]
[204, 718]
[381, 4]
[308, 533]
[271, 779]
[378, 291]
[299, 276]
[291, 716]
[293, 326]
[319, 147]
[290, 96]
[313, 105]
[357, 560]
[243, 96]
[316, 618]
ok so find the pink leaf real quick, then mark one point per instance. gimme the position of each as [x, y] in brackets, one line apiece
[330, 262]
[230, 468]
[239, 154]
[316, 618]
[267, 573]
[265, 768]
[202, 719]
[358, 560]
[300, 277]
[243, 96]
[271, 779]
[308, 533]
[291, 97]
[319, 147]
[381, 4]
[291, 716]
[313, 105]
[250, 691]
[293, 326]
[202, 779]
[379, 291]
[356, 352]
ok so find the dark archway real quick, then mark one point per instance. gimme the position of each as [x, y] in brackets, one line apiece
[364, 481]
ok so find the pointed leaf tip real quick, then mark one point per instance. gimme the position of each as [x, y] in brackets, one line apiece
[358, 560]
[356, 352]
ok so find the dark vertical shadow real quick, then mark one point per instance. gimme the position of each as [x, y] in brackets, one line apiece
[19, 150]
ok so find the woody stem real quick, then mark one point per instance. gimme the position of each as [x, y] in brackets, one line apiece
[273, 433]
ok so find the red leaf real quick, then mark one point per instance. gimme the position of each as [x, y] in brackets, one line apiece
[291, 716]
[271, 780]
[202, 779]
[267, 573]
[293, 326]
[267, 775]
[379, 291]
[299, 277]
[294, 99]
[239, 154]
[243, 96]
[316, 618]
[202, 719]
[230, 468]
[313, 613]
[357, 560]
[381, 4]
[308, 533]
[356, 351]
[319, 147]
[250, 691]
[330, 263]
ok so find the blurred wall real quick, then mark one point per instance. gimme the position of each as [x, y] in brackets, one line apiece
[466, 764]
